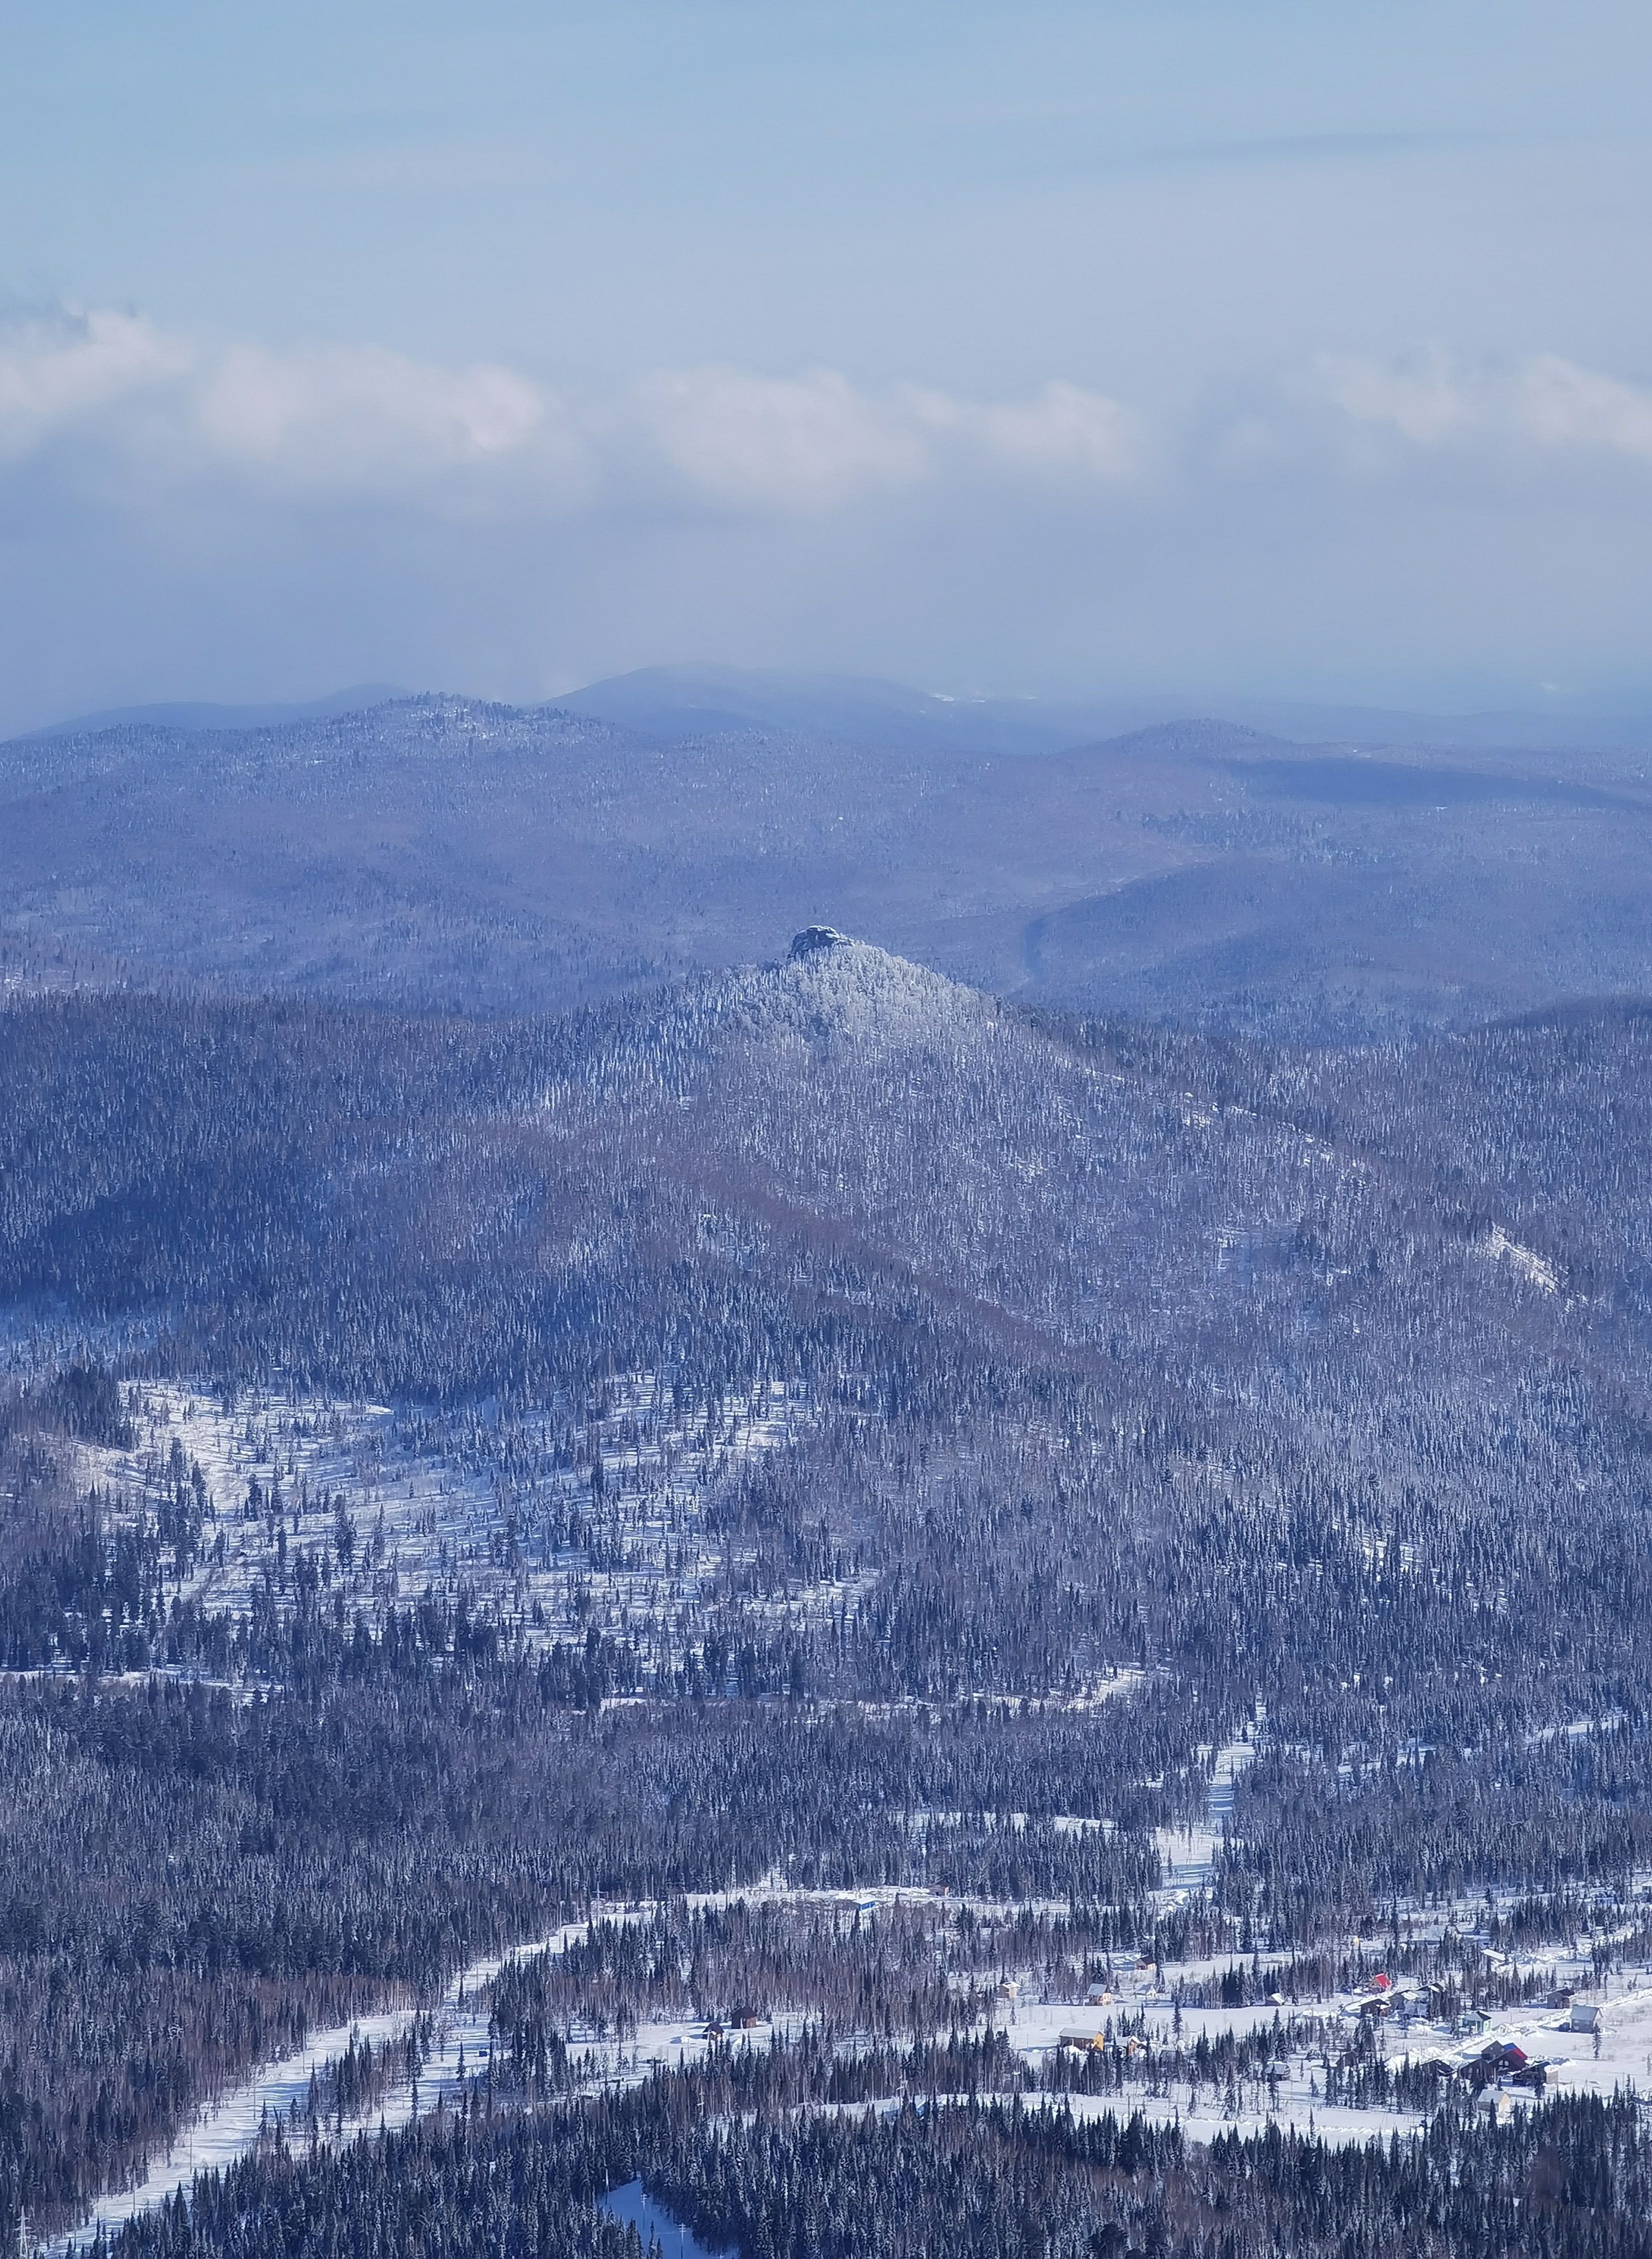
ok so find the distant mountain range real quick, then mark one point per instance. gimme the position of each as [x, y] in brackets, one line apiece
[193, 714]
[685, 702]
[448, 853]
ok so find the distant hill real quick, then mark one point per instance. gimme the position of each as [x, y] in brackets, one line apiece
[677, 700]
[841, 1138]
[193, 715]
[450, 853]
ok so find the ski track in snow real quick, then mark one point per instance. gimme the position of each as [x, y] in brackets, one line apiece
[1189, 1852]
[231, 2127]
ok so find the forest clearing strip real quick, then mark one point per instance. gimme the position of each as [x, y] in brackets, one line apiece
[229, 2127]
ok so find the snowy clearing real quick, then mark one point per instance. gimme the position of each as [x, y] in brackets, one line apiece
[554, 1524]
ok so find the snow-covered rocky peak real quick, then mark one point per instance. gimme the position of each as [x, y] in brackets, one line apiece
[832, 989]
[832, 1004]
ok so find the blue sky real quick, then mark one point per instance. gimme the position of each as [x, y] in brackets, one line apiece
[1291, 349]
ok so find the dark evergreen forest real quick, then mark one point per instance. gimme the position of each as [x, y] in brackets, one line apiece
[1148, 1394]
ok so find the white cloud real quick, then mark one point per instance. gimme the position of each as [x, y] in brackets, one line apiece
[1547, 404]
[334, 412]
[800, 443]
[812, 442]
[1563, 405]
[57, 369]
[130, 409]
[1062, 431]
[352, 420]
[340, 419]
[1424, 401]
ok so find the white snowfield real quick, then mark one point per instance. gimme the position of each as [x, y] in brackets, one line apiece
[1121, 1679]
[549, 1527]
[1536, 1269]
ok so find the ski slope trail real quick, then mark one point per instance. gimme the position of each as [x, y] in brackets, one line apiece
[228, 2128]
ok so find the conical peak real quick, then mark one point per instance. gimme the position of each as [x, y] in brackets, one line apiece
[830, 986]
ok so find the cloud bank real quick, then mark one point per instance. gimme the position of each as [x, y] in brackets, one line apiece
[357, 420]
[1547, 406]
[185, 516]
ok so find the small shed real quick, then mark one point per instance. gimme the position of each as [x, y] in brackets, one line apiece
[1583, 2016]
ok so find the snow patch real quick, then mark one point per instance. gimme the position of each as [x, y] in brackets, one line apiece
[1535, 1269]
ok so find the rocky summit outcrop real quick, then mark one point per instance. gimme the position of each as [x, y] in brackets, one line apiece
[814, 938]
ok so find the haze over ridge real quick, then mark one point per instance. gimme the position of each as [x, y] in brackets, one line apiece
[462, 854]
[1101, 350]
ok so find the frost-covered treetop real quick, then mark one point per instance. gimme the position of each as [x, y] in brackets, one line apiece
[831, 996]
[832, 988]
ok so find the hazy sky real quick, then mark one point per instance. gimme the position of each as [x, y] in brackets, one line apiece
[1296, 348]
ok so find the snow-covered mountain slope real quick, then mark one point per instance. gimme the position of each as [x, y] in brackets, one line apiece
[845, 1121]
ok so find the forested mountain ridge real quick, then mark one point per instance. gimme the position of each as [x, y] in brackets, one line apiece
[774, 1128]
[806, 1429]
[1090, 1269]
[451, 854]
